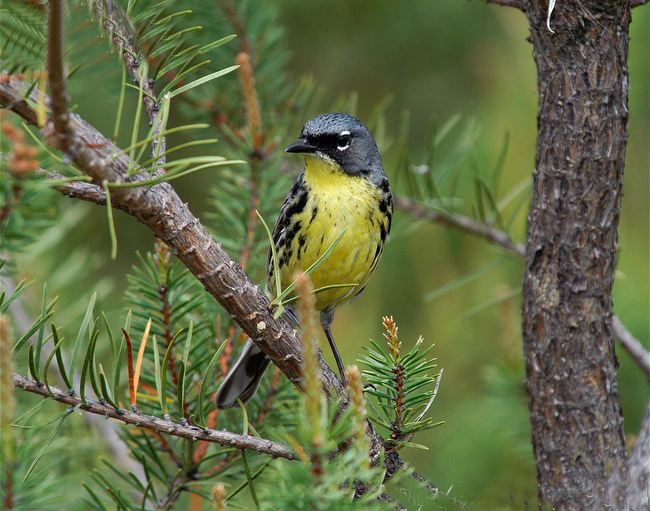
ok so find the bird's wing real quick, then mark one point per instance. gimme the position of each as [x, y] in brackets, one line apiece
[296, 196]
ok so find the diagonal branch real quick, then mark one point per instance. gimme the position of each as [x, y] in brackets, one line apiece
[633, 347]
[462, 222]
[503, 240]
[161, 209]
[141, 420]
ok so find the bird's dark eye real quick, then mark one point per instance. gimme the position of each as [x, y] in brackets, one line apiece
[343, 141]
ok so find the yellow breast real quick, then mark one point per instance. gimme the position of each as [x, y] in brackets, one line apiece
[336, 201]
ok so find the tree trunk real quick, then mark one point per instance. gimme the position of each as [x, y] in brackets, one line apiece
[575, 412]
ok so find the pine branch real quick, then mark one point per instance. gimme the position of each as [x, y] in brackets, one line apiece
[106, 430]
[254, 120]
[169, 218]
[156, 424]
[124, 38]
[500, 238]
[257, 154]
[174, 492]
[238, 24]
[462, 222]
[162, 262]
[56, 77]
[633, 346]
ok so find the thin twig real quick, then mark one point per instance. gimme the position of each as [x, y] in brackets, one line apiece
[253, 119]
[78, 189]
[174, 492]
[254, 122]
[237, 22]
[634, 348]
[166, 321]
[124, 38]
[56, 77]
[166, 447]
[503, 240]
[429, 487]
[268, 400]
[465, 223]
[261, 445]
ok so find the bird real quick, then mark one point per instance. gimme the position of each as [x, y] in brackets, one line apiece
[342, 192]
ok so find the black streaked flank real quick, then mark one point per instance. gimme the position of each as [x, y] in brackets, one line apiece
[298, 205]
[291, 233]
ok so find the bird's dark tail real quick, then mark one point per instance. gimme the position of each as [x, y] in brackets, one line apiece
[242, 380]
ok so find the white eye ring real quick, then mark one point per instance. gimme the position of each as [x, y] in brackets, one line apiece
[344, 147]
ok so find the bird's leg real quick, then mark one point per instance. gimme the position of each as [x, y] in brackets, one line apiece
[326, 317]
[339, 362]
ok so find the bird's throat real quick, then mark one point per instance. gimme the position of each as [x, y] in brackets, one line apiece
[326, 173]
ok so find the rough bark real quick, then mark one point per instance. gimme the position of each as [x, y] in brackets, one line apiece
[575, 411]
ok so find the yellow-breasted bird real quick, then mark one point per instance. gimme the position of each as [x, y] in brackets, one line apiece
[343, 187]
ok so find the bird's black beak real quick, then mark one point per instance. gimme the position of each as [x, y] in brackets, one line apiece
[300, 146]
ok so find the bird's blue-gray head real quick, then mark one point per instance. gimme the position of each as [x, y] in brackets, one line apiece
[343, 139]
